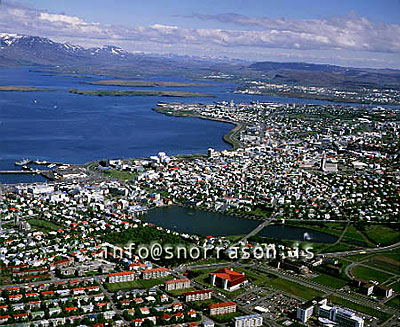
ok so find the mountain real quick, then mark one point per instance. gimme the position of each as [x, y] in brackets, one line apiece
[25, 49]
[327, 75]
[18, 50]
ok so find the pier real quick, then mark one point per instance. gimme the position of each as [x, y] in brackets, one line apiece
[49, 174]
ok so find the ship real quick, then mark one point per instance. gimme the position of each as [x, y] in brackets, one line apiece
[306, 236]
[40, 162]
[23, 162]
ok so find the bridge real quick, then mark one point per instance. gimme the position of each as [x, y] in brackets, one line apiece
[260, 227]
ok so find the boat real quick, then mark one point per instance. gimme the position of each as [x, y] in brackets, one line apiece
[26, 168]
[41, 162]
[23, 162]
[306, 236]
[51, 165]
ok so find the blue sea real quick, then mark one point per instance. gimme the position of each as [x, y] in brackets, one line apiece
[64, 127]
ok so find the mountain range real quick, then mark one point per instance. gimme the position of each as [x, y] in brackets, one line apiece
[26, 50]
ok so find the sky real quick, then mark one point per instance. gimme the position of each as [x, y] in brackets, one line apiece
[358, 33]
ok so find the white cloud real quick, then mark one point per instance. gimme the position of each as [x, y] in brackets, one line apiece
[345, 33]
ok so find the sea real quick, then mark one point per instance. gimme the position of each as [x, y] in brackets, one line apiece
[59, 126]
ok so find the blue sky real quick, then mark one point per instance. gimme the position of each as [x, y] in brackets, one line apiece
[353, 33]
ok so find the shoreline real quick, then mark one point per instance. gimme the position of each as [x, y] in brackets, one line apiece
[228, 137]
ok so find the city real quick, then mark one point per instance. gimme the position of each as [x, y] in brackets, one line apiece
[199, 164]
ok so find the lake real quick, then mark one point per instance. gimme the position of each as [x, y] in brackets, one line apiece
[186, 220]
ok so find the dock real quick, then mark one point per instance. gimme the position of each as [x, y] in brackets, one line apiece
[49, 174]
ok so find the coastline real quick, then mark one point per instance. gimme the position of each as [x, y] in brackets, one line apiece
[229, 137]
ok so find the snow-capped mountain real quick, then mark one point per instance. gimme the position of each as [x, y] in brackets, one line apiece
[39, 50]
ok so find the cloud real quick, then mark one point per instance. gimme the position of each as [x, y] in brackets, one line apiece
[337, 33]
[343, 32]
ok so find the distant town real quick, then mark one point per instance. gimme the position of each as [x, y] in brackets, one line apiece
[65, 256]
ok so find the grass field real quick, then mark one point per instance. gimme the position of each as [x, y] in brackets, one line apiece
[255, 277]
[44, 225]
[384, 262]
[330, 281]
[119, 174]
[369, 274]
[139, 283]
[382, 316]
[394, 302]
[382, 235]
[226, 318]
[295, 289]
[181, 291]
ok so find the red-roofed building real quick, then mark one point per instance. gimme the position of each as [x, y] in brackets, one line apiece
[227, 279]
[222, 308]
[155, 273]
[124, 276]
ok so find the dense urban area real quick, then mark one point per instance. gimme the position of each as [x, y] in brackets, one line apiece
[69, 247]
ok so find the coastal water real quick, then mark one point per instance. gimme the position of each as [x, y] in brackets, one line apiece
[185, 220]
[65, 127]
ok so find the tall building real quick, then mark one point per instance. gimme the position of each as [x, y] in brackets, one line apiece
[307, 309]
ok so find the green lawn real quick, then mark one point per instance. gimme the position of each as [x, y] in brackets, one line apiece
[382, 316]
[119, 174]
[180, 292]
[225, 318]
[394, 302]
[139, 283]
[44, 225]
[255, 277]
[295, 289]
[330, 281]
[385, 262]
[382, 235]
[369, 274]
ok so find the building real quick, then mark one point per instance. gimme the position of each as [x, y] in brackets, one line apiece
[383, 290]
[307, 309]
[367, 288]
[119, 277]
[177, 284]
[248, 321]
[198, 295]
[222, 308]
[340, 316]
[155, 273]
[227, 279]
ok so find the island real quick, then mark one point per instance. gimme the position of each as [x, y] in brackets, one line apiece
[180, 94]
[135, 83]
[9, 88]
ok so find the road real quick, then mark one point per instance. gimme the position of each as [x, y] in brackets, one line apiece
[364, 251]
[256, 230]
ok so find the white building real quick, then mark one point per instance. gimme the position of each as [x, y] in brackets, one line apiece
[249, 321]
